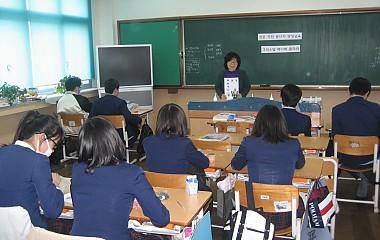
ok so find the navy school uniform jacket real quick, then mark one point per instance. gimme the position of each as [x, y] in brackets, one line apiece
[112, 105]
[104, 199]
[172, 154]
[356, 117]
[297, 122]
[25, 179]
[269, 163]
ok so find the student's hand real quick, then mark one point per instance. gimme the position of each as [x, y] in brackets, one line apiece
[136, 204]
[239, 96]
[56, 179]
[224, 97]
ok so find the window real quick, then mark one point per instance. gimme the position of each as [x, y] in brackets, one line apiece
[44, 40]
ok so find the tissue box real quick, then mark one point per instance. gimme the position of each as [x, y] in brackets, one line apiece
[192, 184]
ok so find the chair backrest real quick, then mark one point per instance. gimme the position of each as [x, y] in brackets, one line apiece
[267, 195]
[72, 120]
[355, 145]
[177, 181]
[15, 223]
[37, 233]
[118, 121]
[212, 145]
[236, 127]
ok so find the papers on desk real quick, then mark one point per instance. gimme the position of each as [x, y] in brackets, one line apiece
[147, 227]
[223, 117]
[215, 137]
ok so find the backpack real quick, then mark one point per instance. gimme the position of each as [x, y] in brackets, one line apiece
[146, 131]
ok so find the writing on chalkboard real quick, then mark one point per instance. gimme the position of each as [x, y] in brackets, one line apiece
[196, 54]
[376, 59]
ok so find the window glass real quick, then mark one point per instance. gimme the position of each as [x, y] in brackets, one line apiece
[44, 40]
[45, 6]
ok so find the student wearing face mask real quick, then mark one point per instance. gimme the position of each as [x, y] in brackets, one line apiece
[25, 175]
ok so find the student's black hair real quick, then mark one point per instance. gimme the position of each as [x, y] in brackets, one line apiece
[360, 86]
[271, 124]
[33, 123]
[72, 83]
[110, 85]
[171, 120]
[230, 56]
[291, 95]
[99, 144]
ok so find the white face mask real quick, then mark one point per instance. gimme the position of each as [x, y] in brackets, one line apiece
[48, 152]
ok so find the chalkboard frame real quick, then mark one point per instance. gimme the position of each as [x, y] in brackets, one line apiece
[174, 89]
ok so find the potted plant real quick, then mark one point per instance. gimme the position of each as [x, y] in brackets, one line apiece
[11, 92]
[61, 88]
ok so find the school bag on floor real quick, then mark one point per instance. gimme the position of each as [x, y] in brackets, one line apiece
[248, 224]
[146, 131]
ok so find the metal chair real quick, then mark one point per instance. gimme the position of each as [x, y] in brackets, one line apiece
[71, 123]
[266, 196]
[359, 146]
[118, 121]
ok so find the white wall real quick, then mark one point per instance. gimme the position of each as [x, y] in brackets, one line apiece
[106, 13]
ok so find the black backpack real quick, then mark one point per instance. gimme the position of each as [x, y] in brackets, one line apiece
[146, 131]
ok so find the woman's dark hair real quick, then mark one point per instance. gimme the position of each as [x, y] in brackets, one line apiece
[72, 83]
[291, 95]
[110, 85]
[271, 124]
[34, 122]
[99, 144]
[230, 56]
[171, 120]
[360, 86]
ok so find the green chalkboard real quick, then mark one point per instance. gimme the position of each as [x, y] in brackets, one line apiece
[163, 35]
[333, 49]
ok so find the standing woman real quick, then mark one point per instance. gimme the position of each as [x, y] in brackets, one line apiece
[272, 156]
[231, 65]
[170, 151]
[25, 174]
[104, 187]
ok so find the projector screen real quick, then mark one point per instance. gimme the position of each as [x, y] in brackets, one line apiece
[130, 65]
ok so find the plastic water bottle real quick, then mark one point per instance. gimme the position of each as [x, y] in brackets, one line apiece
[215, 98]
[271, 97]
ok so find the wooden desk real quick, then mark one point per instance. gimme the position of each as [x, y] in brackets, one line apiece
[313, 143]
[311, 170]
[192, 204]
[222, 159]
[235, 138]
[310, 143]
[142, 111]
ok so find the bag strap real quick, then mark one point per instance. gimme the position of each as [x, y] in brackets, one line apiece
[250, 198]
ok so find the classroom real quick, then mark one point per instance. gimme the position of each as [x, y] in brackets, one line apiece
[106, 16]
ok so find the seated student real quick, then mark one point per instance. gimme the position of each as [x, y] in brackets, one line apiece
[72, 102]
[110, 104]
[297, 123]
[357, 117]
[170, 151]
[271, 156]
[104, 187]
[25, 175]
